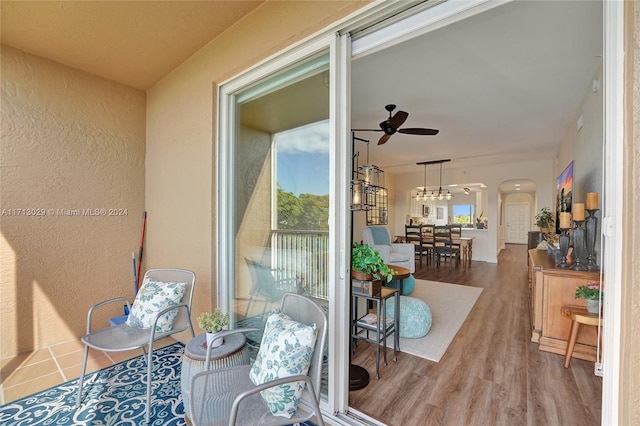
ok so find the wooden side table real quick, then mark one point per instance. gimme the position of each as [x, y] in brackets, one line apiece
[231, 353]
[578, 315]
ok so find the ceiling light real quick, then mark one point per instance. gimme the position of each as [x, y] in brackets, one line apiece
[439, 195]
[466, 191]
[422, 194]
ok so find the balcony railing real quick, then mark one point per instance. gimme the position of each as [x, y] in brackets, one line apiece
[303, 254]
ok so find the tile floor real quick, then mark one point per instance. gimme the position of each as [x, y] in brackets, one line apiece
[31, 372]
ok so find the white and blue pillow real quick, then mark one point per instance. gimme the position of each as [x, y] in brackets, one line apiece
[152, 298]
[286, 350]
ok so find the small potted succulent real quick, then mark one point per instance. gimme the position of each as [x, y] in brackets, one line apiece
[480, 221]
[212, 323]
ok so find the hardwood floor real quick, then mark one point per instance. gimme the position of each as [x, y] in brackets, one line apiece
[491, 373]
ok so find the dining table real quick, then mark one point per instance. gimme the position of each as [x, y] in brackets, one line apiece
[466, 248]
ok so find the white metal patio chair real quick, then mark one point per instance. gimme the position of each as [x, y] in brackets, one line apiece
[124, 337]
[228, 396]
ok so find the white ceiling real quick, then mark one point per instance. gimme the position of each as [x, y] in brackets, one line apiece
[502, 85]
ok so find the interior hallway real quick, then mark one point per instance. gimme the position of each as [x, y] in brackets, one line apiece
[491, 374]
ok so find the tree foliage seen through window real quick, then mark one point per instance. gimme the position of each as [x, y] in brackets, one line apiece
[306, 212]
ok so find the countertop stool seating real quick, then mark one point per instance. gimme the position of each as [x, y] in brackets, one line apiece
[578, 315]
[415, 317]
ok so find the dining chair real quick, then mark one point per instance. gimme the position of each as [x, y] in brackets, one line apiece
[444, 248]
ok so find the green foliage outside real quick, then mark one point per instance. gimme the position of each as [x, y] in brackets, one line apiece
[462, 219]
[307, 212]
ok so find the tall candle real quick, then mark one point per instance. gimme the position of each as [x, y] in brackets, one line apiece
[565, 220]
[592, 200]
[578, 211]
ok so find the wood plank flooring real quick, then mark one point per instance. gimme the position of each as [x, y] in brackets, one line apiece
[491, 373]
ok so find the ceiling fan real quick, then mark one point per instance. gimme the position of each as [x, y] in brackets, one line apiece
[392, 125]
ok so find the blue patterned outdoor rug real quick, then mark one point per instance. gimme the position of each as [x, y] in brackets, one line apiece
[115, 395]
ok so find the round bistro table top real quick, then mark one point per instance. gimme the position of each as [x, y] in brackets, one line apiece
[400, 272]
[196, 349]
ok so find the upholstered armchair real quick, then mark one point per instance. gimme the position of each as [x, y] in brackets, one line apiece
[392, 253]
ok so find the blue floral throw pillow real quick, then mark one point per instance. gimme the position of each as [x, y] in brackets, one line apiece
[286, 350]
[152, 298]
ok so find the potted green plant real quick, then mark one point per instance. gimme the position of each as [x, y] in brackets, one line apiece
[479, 221]
[545, 219]
[212, 323]
[590, 292]
[367, 264]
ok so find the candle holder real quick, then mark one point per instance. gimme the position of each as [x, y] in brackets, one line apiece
[579, 247]
[592, 227]
[564, 247]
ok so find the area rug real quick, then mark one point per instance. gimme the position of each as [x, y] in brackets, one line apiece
[115, 395]
[450, 305]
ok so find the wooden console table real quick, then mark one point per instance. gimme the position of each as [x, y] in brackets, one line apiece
[550, 289]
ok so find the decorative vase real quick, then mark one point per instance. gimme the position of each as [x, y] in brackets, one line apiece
[479, 225]
[217, 341]
[593, 306]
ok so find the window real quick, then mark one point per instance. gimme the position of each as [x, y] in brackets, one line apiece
[464, 214]
[302, 178]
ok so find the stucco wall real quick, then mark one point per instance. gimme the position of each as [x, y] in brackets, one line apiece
[181, 134]
[71, 142]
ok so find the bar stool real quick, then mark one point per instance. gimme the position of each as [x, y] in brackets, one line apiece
[578, 315]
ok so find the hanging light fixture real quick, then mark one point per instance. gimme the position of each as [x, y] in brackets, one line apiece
[440, 195]
[367, 182]
[421, 194]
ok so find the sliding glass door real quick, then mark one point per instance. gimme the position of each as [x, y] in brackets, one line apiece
[280, 186]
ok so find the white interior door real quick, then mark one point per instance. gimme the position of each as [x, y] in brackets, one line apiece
[518, 219]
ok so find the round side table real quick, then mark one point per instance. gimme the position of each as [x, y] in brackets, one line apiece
[231, 353]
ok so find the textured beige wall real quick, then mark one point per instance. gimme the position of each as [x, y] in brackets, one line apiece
[69, 141]
[630, 333]
[181, 129]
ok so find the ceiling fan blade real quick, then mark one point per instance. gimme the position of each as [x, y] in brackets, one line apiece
[384, 139]
[419, 131]
[399, 118]
[366, 130]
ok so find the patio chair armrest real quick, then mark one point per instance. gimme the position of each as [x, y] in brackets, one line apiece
[226, 333]
[152, 337]
[276, 382]
[104, 303]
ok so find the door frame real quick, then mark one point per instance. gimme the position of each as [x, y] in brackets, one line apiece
[421, 22]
